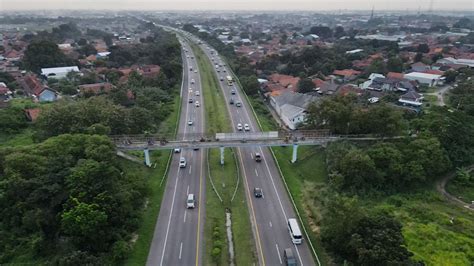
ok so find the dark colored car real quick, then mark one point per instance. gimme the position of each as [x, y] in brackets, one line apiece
[258, 157]
[290, 259]
[258, 192]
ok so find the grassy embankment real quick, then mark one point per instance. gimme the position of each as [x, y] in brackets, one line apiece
[426, 216]
[156, 183]
[226, 181]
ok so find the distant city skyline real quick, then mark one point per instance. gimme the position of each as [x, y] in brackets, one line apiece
[252, 5]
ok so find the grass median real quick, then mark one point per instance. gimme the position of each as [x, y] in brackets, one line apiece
[226, 181]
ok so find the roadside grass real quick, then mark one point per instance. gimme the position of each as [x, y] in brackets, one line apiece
[157, 176]
[264, 115]
[226, 180]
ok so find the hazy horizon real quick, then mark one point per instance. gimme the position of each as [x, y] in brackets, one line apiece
[242, 5]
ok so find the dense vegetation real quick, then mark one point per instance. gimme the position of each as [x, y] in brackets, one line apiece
[70, 202]
[44, 53]
[74, 202]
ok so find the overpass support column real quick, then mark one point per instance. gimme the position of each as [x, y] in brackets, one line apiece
[147, 157]
[295, 153]
[222, 155]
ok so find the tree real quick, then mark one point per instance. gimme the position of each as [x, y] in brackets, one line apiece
[339, 32]
[450, 76]
[85, 223]
[418, 57]
[250, 84]
[395, 64]
[305, 85]
[378, 240]
[423, 48]
[321, 31]
[44, 53]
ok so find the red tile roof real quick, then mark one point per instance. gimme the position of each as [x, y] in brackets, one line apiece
[34, 86]
[395, 75]
[434, 72]
[95, 88]
[346, 72]
[32, 114]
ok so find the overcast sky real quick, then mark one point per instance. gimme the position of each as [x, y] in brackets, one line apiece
[464, 5]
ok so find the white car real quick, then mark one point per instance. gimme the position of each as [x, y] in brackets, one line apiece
[192, 81]
[246, 127]
[190, 201]
[239, 127]
[197, 104]
[190, 122]
[177, 150]
[197, 93]
[182, 162]
[195, 71]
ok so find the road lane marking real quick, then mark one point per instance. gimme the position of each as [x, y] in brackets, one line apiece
[169, 219]
[180, 249]
[190, 167]
[199, 213]
[184, 220]
[256, 171]
[278, 251]
[271, 225]
[187, 190]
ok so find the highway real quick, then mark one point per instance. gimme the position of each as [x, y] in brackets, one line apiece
[269, 214]
[179, 231]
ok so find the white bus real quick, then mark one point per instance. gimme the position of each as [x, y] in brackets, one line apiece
[295, 232]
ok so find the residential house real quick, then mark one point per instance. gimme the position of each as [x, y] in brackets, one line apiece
[411, 98]
[291, 107]
[150, 71]
[95, 88]
[419, 67]
[47, 95]
[346, 74]
[325, 87]
[58, 72]
[284, 81]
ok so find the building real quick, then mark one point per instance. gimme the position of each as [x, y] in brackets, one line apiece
[47, 95]
[95, 88]
[291, 107]
[425, 78]
[32, 114]
[411, 98]
[58, 72]
[454, 61]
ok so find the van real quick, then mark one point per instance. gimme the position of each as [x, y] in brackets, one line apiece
[295, 232]
[289, 258]
[190, 201]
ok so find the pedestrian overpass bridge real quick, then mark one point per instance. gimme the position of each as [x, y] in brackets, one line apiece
[148, 142]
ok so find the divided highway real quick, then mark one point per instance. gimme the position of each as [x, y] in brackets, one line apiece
[179, 231]
[269, 214]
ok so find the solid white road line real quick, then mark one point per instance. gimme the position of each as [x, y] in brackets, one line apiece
[278, 251]
[180, 249]
[169, 220]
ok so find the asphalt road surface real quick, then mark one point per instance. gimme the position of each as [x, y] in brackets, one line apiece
[178, 234]
[269, 214]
